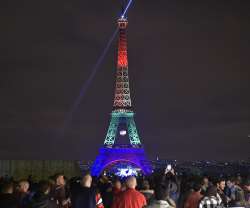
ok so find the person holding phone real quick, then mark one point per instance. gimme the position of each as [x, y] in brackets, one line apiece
[171, 181]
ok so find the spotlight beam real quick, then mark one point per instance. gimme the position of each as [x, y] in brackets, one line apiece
[94, 70]
[126, 9]
[86, 85]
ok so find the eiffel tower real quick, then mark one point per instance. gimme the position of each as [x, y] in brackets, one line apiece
[122, 122]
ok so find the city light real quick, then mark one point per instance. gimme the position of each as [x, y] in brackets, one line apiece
[125, 172]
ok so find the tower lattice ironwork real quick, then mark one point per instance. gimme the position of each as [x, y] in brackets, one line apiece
[122, 118]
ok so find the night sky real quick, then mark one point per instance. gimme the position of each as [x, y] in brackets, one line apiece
[189, 70]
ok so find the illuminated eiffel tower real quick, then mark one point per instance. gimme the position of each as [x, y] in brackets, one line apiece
[122, 122]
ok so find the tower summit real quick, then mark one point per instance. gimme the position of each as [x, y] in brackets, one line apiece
[122, 122]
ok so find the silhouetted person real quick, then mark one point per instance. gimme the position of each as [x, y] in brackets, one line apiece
[238, 196]
[246, 188]
[86, 196]
[7, 198]
[194, 197]
[23, 195]
[41, 198]
[211, 198]
[61, 193]
[221, 184]
[162, 198]
[205, 185]
[146, 191]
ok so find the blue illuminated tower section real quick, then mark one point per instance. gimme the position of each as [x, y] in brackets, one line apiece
[122, 124]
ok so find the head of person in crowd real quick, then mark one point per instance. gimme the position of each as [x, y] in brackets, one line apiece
[229, 183]
[59, 179]
[52, 180]
[109, 187]
[44, 187]
[161, 192]
[23, 186]
[86, 180]
[104, 179]
[117, 184]
[238, 180]
[7, 187]
[131, 182]
[221, 184]
[246, 185]
[211, 191]
[124, 186]
[197, 185]
[205, 182]
[145, 185]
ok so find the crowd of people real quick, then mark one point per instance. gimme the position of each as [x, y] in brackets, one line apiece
[164, 189]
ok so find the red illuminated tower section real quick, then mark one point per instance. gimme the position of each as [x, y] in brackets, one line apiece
[122, 61]
[122, 93]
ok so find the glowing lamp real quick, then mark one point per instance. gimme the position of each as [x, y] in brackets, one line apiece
[123, 132]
